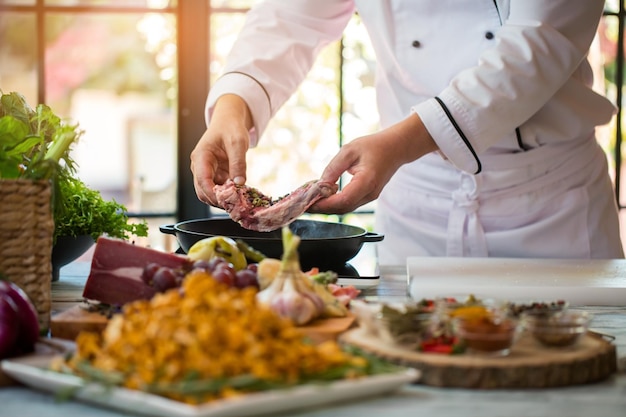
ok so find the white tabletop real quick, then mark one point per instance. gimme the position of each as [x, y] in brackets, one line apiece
[605, 399]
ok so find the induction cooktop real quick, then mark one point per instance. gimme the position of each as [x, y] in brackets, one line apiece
[361, 271]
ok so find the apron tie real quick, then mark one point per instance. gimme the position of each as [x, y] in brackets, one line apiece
[463, 223]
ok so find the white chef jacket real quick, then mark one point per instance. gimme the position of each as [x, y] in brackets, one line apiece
[504, 89]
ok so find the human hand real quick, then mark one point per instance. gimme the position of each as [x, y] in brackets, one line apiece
[372, 160]
[220, 153]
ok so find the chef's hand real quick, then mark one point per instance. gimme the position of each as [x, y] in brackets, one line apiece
[221, 152]
[372, 160]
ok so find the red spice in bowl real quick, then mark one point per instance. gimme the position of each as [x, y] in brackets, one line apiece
[485, 335]
[485, 329]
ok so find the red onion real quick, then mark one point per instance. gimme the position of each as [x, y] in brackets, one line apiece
[8, 327]
[26, 320]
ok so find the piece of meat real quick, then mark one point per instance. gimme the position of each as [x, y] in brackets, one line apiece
[256, 211]
[116, 269]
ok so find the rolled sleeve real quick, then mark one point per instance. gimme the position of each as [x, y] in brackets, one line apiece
[448, 133]
[533, 82]
[274, 52]
[251, 91]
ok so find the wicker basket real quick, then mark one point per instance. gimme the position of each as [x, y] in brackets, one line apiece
[26, 236]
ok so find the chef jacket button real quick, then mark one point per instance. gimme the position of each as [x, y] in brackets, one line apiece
[489, 35]
[416, 44]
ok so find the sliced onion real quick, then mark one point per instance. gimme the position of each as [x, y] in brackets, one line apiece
[28, 329]
[9, 327]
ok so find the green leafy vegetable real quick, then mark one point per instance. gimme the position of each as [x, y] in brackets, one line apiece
[85, 212]
[36, 144]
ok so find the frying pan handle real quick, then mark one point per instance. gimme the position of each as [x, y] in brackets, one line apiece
[168, 229]
[373, 237]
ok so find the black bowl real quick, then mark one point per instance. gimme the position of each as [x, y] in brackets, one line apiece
[67, 249]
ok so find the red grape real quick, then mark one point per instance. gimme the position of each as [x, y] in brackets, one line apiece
[201, 264]
[225, 273]
[164, 279]
[246, 278]
[148, 272]
[215, 262]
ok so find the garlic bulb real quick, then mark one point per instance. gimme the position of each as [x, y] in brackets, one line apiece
[294, 305]
[288, 294]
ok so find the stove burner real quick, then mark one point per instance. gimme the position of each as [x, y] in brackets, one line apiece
[347, 271]
[354, 269]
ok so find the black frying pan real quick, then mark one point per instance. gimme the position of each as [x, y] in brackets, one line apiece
[323, 244]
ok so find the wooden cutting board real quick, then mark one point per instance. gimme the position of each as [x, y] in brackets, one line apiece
[69, 323]
[529, 365]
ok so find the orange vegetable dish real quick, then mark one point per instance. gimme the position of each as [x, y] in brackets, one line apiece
[206, 332]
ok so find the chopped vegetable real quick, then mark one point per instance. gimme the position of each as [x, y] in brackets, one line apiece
[251, 254]
[205, 342]
[324, 278]
[443, 344]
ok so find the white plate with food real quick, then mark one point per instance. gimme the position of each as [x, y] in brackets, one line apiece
[33, 372]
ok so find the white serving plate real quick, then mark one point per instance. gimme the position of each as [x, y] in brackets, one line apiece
[32, 371]
[581, 282]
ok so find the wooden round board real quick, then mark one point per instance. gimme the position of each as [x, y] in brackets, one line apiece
[528, 365]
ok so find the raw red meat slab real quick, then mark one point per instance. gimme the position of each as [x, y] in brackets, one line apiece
[256, 211]
[116, 268]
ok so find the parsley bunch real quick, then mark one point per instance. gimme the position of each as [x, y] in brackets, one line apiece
[85, 212]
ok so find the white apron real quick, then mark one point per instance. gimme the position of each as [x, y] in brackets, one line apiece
[544, 203]
[542, 190]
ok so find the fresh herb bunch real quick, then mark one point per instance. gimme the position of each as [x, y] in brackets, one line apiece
[35, 144]
[85, 212]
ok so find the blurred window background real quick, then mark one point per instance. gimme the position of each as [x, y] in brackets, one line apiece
[134, 74]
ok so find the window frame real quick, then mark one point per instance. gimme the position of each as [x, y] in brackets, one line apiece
[620, 15]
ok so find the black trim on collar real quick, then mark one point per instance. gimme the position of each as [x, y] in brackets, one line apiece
[256, 81]
[461, 134]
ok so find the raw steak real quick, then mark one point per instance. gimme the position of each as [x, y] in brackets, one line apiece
[256, 211]
[116, 269]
